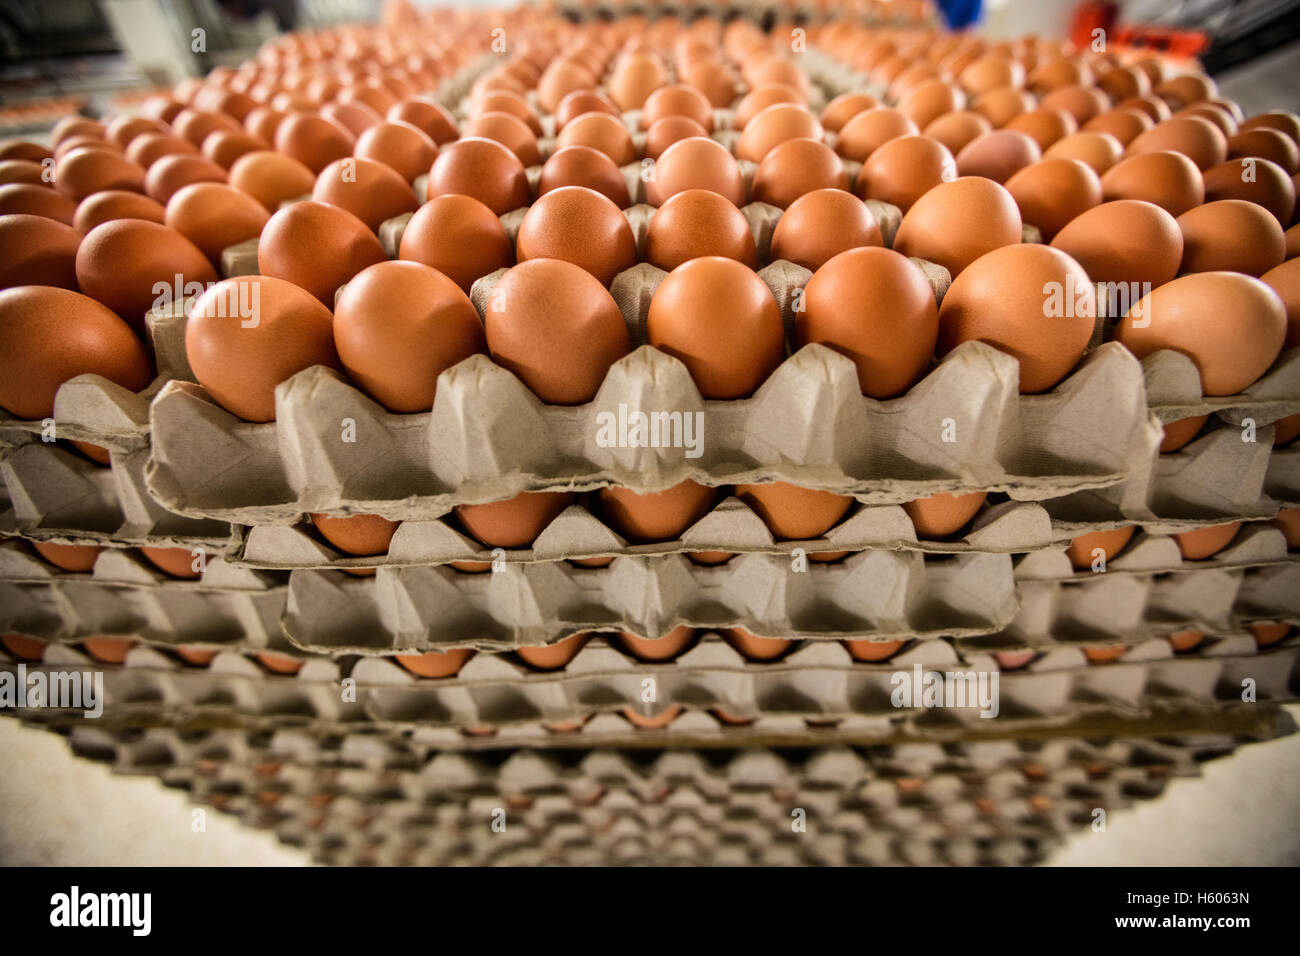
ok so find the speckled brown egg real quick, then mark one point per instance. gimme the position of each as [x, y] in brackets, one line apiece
[483, 169]
[317, 247]
[942, 516]
[697, 163]
[871, 129]
[1127, 240]
[313, 140]
[515, 522]
[820, 225]
[1053, 192]
[904, 169]
[245, 336]
[360, 534]
[101, 207]
[1231, 235]
[957, 222]
[581, 226]
[794, 513]
[655, 516]
[38, 251]
[402, 147]
[1256, 180]
[1190, 315]
[698, 223]
[1168, 179]
[370, 190]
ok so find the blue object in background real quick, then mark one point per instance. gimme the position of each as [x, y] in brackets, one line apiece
[961, 13]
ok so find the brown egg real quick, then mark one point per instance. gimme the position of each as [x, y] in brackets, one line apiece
[1285, 281]
[1030, 301]
[579, 102]
[358, 534]
[146, 150]
[122, 129]
[1285, 430]
[1268, 633]
[482, 169]
[1195, 137]
[279, 664]
[515, 522]
[195, 125]
[940, 516]
[957, 222]
[1220, 116]
[397, 326]
[730, 352]
[1231, 235]
[753, 647]
[561, 78]
[796, 167]
[271, 178]
[435, 664]
[871, 129]
[1179, 433]
[657, 722]
[176, 562]
[581, 226]
[21, 149]
[1081, 102]
[652, 649]
[49, 335]
[773, 126]
[1184, 90]
[171, 173]
[458, 236]
[503, 101]
[556, 327]
[77, 558]
[930, 99]
[584, 166]
[1043, 126]
[904, 169]
[1101, 151]
[317, 247]
[313, 140]
[1292, 242]
[677, 100]
[820, 225]
[998, 155]
[843, 108]
[873, 651]
[1153, 106]
[1191, 315]
[1206, 542]
[991, 72]
[1003, 105]
[214, 216]
[1256, 180]
[247, 335]
[634, 79]
[426, 115]
[85, 142]
[602, 132]
[24, 171]
[38, 252]
[657, 516]
[1288, 520]
[1053, 192]
[761, 97]
[712, 79]
[225, 146]
[508, 130]
[696, 163]
[877, 308]
[370, 190]
[698, 223]
[667, 131]
[110, 650]
[1170, 180]
[23, 648]
[552, 657]
[1082, 549]
[406, 150]
[355, 117]
[793, 513]
[955, 130]
[263, 122]
[1184, 641]
[1100, 655]
[85, 170]
[119, 263]
[1124, 123]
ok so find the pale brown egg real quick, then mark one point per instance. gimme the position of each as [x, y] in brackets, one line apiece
[904, 169]
[38, 251]
[435, 664]
[655, 516]
[214, 216]
[359, 534]
[730, 352]
[698, 223]
[584, 166]
[1194, 136]
[1256, 180]
[1193, 313]
[581, 226]
[712, 79]
[195, 125]
[1124, 241]
[1101, 151]
[1231, 235]
[998, 155]
[313, 140]
[991, 72]
[1168, 179]
[561, 78]
[85, 170]
[1053, 192]
[263, 122]
[1124, 123]
[122, 129]
[370, 190]
[957, 222]
[504, 101]
[556, 327]
[397, 326]
[1153, 106]
[869, 130]
[1206, 542]
[1030, 301]
[876, 307]
[482, 169]
[1283, 121]
[796, 167]
[1187, 89]
[515, 522]
[820, 225]
[793, 513]
[1285, 281]
[1220, 116]
[246, 335]
[49, 335]
[271, 178]
[552, 657]
[696, 163]
[1043, 126]
[634, 79]
[955, 130]
[843, 108]
[941, 516]
[1082, 550]
[406, 150]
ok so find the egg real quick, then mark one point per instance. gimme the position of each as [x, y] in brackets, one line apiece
[561, 78]
[695, 223]
[86, 170]
[696, 163]
[503, 101]
[579, 102]
[1293, 242]
[1231, 235]
[215, 216]
[1285, 281]
[556, 327]
[957, 222]
[1194, 136]
[773, 126]
[796, 167]
[1230, 325]
[77, 558]
[1267, 144]
[1081, 102]
[1268, 633]
[712, 79]
[397, 326]
[1101, 151]
[584, 166]
[23, 171]
[110, 650]
[1043, 126]
[171, 173]
[435, 664]
[316, 246]
[794, 513]
[991, 72]
[246, 335]
[425, 114]
[195, 125]
[670, 130]
[22, 647]
[763, 96]
[1168, 179]
[359, 534]
[580, 226]
[902, 170]
[1014, 660]
[678, 100]
[22, 149]
[271, 178]
[402, 147]
[753, 647]
[1104, 654]
[370, 190]
[508, 130]
[354, 117]
[555, 656]
[1184, 641]
[998, 155]
[820, 225]
[515, 522]
[460, 237]
[1052, 193]
[873, 651]
[29, 199]
[1283, 121]
[877, 308]
[929, 100]
[1206, 542]
[313, 140]
[225, 146]
[176, 562]
[1288, 520]
[280, 664]
[657, 722]
[1030, 301]
[482, 169]
[844, 107]
[262, 122]
[1124, 123]
[1180, 432]
[655, 516]
[656, 649]
[1254, 180]
[602, 132]
[1153, 106]
[940, 516]
[869, 130]
[38, 251]
[1001, 106]
[146, 150]
[730, 352]
[1285, 430]
[955, 130]
[1082, 550]
[1124, 241]
[634, 79]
